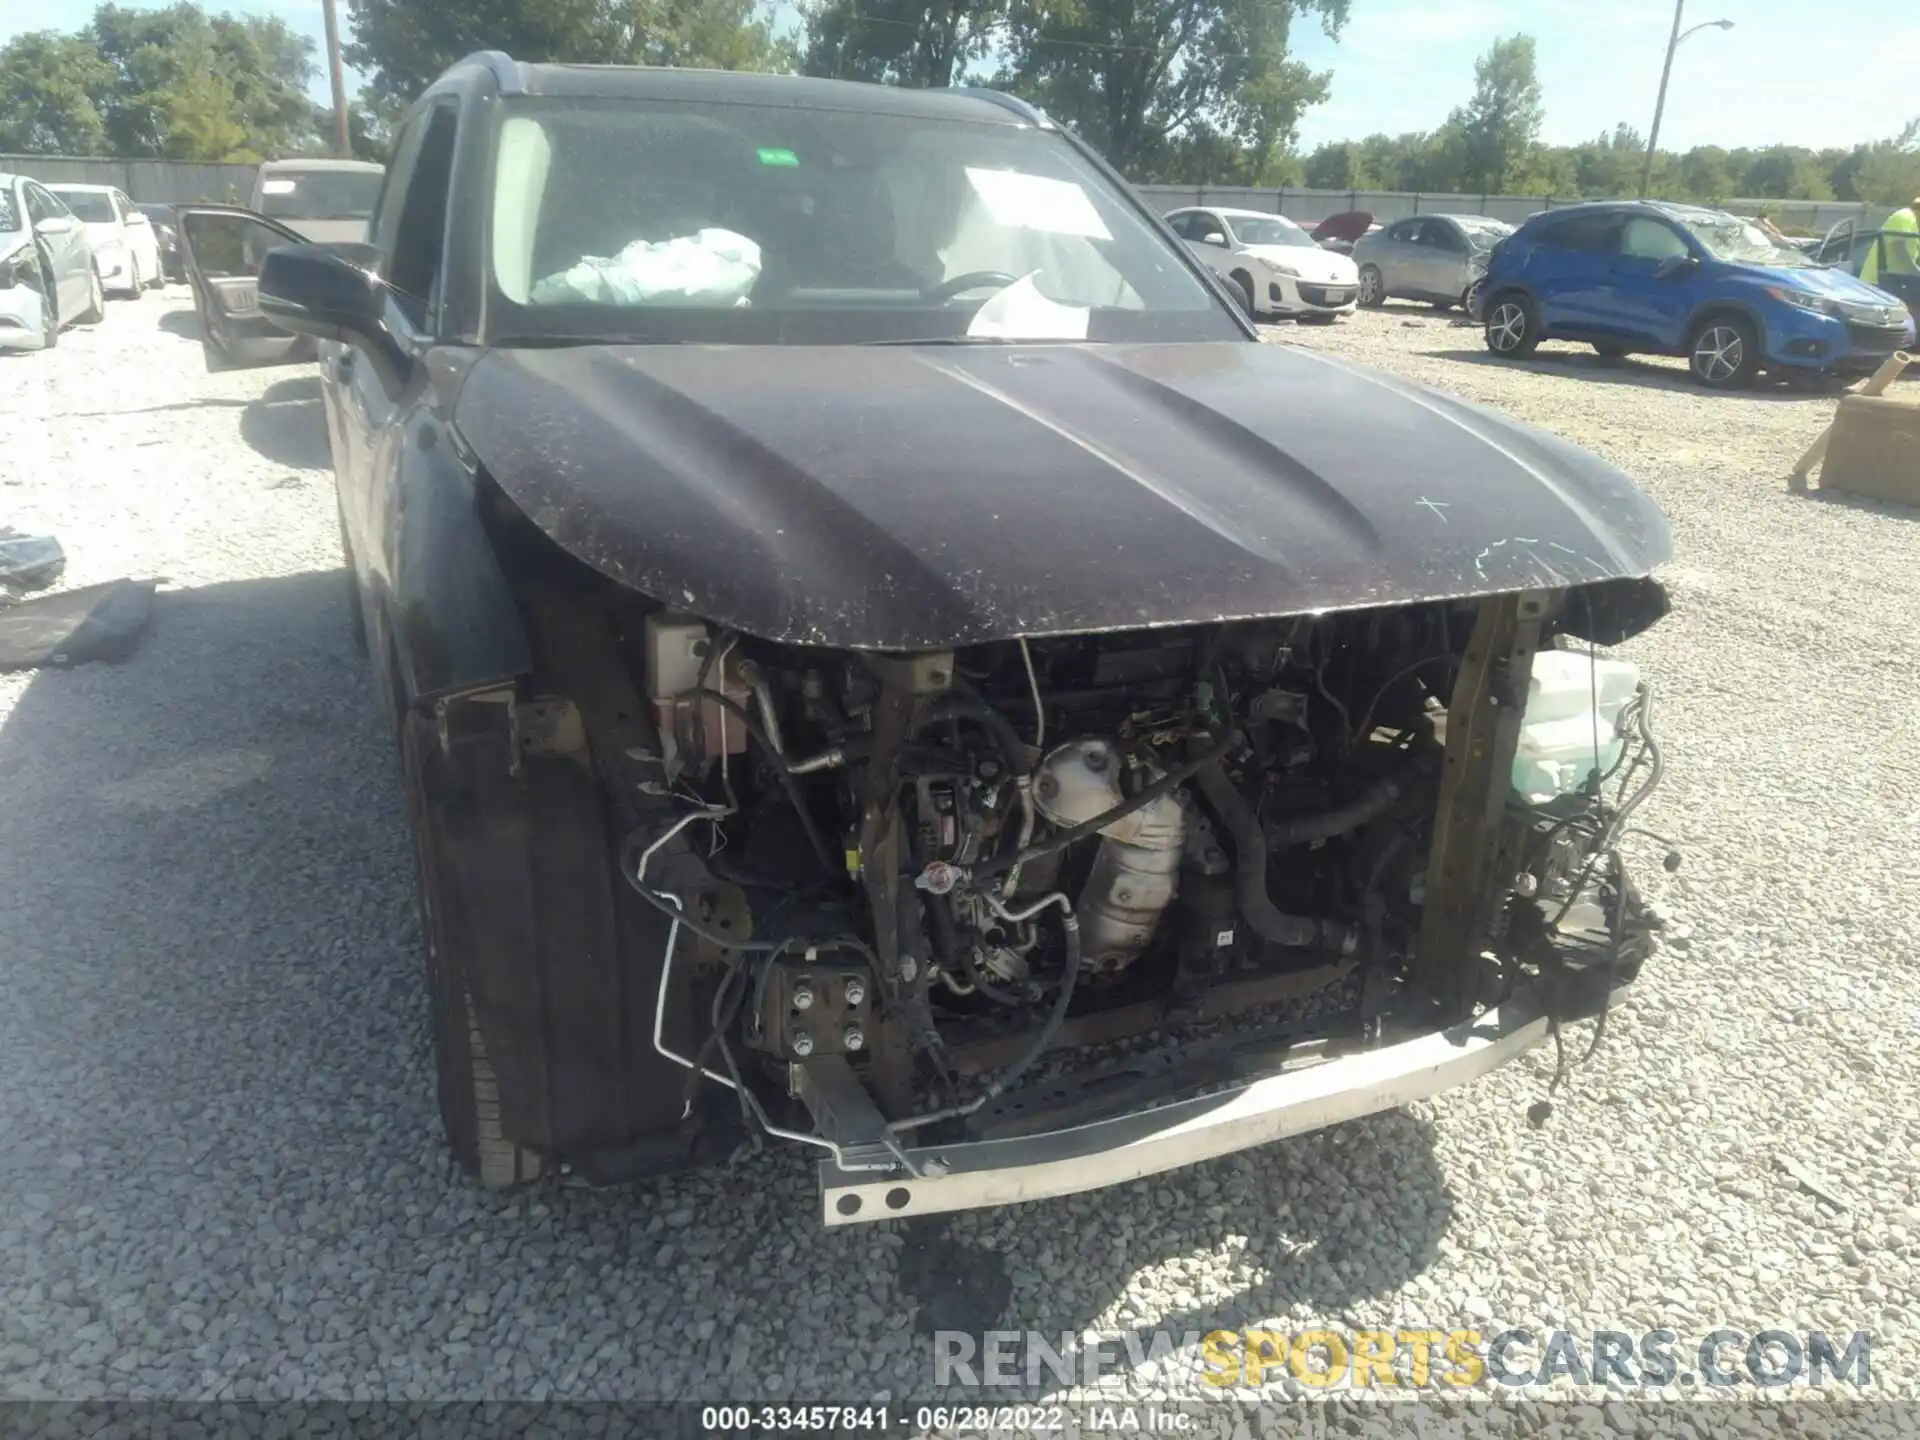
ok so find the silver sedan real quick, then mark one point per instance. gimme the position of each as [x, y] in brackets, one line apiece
[1436, 258]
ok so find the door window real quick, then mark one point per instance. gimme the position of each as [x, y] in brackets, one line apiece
[1407, 232]
[43, 204]
[1205, 225]
[417, 257]
[1182, 224]
[1645, 239]
[1591, 234]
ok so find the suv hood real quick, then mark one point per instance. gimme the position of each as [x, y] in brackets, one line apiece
[1819, 280]
[916, 497]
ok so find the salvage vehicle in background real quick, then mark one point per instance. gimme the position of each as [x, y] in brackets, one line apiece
[864, 618]
[125, 251]
[1667, 279]
[1272, 263]
[47, 276]
[317, 198]
[1339, 233]
[1436, 258]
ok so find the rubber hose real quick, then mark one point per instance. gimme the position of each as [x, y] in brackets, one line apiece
[1370, 804]
[1296, 932]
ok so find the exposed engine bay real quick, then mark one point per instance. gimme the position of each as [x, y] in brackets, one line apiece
[929, 871]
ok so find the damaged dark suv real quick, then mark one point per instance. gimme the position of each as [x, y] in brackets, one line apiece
[882, 657]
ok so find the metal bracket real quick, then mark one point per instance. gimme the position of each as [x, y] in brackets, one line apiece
[548, 729]
[1472, 842]
[845, 1114]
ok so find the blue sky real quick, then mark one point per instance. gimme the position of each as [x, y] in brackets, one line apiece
[1787, 73]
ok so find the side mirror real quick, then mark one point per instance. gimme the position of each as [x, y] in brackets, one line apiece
[1675, 265]
[1214, 237]
[54, 225]
[328, 292]
[134, 217]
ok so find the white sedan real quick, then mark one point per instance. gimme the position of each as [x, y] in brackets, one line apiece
[1277, 267]
[125, 249]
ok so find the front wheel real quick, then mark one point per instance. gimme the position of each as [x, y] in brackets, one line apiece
[1724, 353]
[1512, 330]
[137, 286]
[1609, 350]
[1243, 283]
[1373, 287]
[470, 1109]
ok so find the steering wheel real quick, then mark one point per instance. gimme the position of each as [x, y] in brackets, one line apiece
[973, 280]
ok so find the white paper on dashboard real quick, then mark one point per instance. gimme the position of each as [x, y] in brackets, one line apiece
[1021, 312]
[1035, 202]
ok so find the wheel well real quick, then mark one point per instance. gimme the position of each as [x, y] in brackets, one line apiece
[1243, 277]
[1719, 310]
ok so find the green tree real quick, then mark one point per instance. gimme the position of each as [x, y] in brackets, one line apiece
[1134, 75]
[1889, 171]
[1784, 172]
[187, 86]
[1336, 166]
[49, 90]
[403, 45]
[1499, 125]
[890, 40]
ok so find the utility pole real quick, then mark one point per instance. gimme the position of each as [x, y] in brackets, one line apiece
[342, 140]
[1666, 70]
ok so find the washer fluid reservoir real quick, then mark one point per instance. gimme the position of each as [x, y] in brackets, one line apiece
[1571, 697]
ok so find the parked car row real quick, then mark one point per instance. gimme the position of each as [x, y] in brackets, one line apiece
[65, 247]
[1627, 277]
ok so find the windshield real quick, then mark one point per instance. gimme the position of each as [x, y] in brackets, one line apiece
[320, 194]
[1728, 237]
[92, 206]
[1271, 230]
[762, 224]
[1483, 234]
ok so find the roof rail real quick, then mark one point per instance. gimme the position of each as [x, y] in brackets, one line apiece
[1032, 114]
[499, 64]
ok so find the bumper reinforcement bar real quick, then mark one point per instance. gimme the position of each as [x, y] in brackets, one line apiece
[971, 1175]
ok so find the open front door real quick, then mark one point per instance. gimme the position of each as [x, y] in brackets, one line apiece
[221, 247]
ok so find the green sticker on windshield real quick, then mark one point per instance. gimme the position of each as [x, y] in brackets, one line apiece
[770, 155]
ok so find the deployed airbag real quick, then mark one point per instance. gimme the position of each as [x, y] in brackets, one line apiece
[710, 267]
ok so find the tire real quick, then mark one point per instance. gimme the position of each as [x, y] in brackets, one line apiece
[139, 288]
[1243, 282]
[1609, 350]
[96, 310]
[1318, 319]
[1512, 330]
[469, 1092]
[1373, 287]
[159, 278]
[1723, 352]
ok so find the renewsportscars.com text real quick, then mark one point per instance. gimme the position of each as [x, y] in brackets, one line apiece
[1414, 1358]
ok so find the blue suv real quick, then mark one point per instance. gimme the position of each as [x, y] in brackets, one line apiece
[1679, 280]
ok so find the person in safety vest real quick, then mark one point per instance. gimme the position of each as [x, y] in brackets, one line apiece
[1899, 243]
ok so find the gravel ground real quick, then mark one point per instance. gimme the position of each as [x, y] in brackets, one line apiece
[220, 1172]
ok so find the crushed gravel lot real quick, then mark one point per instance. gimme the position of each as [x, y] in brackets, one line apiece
[220, 1167]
